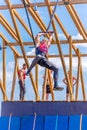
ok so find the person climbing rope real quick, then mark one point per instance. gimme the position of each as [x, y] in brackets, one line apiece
[41, 57]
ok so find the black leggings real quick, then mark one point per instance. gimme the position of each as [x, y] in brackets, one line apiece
[22, 90]
[42, 61]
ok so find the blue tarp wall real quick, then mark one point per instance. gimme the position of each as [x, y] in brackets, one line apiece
[38, 122]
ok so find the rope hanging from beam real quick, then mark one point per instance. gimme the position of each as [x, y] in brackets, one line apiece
[27, 14]
[52, 16]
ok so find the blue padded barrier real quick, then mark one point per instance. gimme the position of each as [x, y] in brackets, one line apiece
[51, 123]
[39, 125]
[84, 122]
[14, 123]
[26, 122]
[62, 122]
[74, 122]
[4, 123]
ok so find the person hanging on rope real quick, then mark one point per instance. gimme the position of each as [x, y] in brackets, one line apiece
[22, 77]
[74, 81]
[41, 58]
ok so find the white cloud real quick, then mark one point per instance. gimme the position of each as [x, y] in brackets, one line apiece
[82, 45]
[79, 37]
[61, 35]
[32, 52]
[10, 65]
[57, 62]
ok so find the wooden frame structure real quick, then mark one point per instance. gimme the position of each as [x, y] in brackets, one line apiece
[15, 34]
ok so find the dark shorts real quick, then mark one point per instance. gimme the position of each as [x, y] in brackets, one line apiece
[67, 90]
[48, 89]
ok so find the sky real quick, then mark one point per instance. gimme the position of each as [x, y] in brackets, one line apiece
[71, 29]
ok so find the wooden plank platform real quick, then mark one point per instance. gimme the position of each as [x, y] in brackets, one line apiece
[43, 108]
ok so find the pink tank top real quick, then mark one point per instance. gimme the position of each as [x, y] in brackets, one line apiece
[43, 47]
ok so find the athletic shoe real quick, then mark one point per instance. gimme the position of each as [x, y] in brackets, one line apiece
[58, 88]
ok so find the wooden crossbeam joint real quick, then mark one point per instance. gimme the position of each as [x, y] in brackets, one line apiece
[66, 2]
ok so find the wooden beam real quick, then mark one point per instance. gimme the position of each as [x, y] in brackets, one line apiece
[8, 44]
[61, 26]
[78, 76]
[70, 68]
[14, 78]
[82, 81]
[7, 26]
[56, 56]
[3, 91]
[78, 18]
[51, 84]
[75, 20]
[59, 47]
[22, 47]
[73, 2]
[22, 22]
[4, 66]
[37, 18]
[54, 42]
[42, 4]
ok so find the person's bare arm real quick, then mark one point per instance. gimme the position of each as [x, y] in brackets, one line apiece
[37, 38]
[64, 81]
[74, 81]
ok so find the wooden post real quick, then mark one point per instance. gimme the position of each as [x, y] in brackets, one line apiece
[51, 84]
[14, 78]
[82, 82]
[70, 63]
[22, 46]
[36, 76]
[3, 91]
[58, 44]
[78, 75]
[44, 84]
[4, 67]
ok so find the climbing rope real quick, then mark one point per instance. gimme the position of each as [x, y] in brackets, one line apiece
[52, 16]
[28, 18]
[27, 14]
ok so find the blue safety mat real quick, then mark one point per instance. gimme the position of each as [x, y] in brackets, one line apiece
[13, 125]
[84, 122]
[58, 122]
[4, 123]
[51, 123]
[63, 122]
[74, 122]
[39, 124]
[27, 123]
